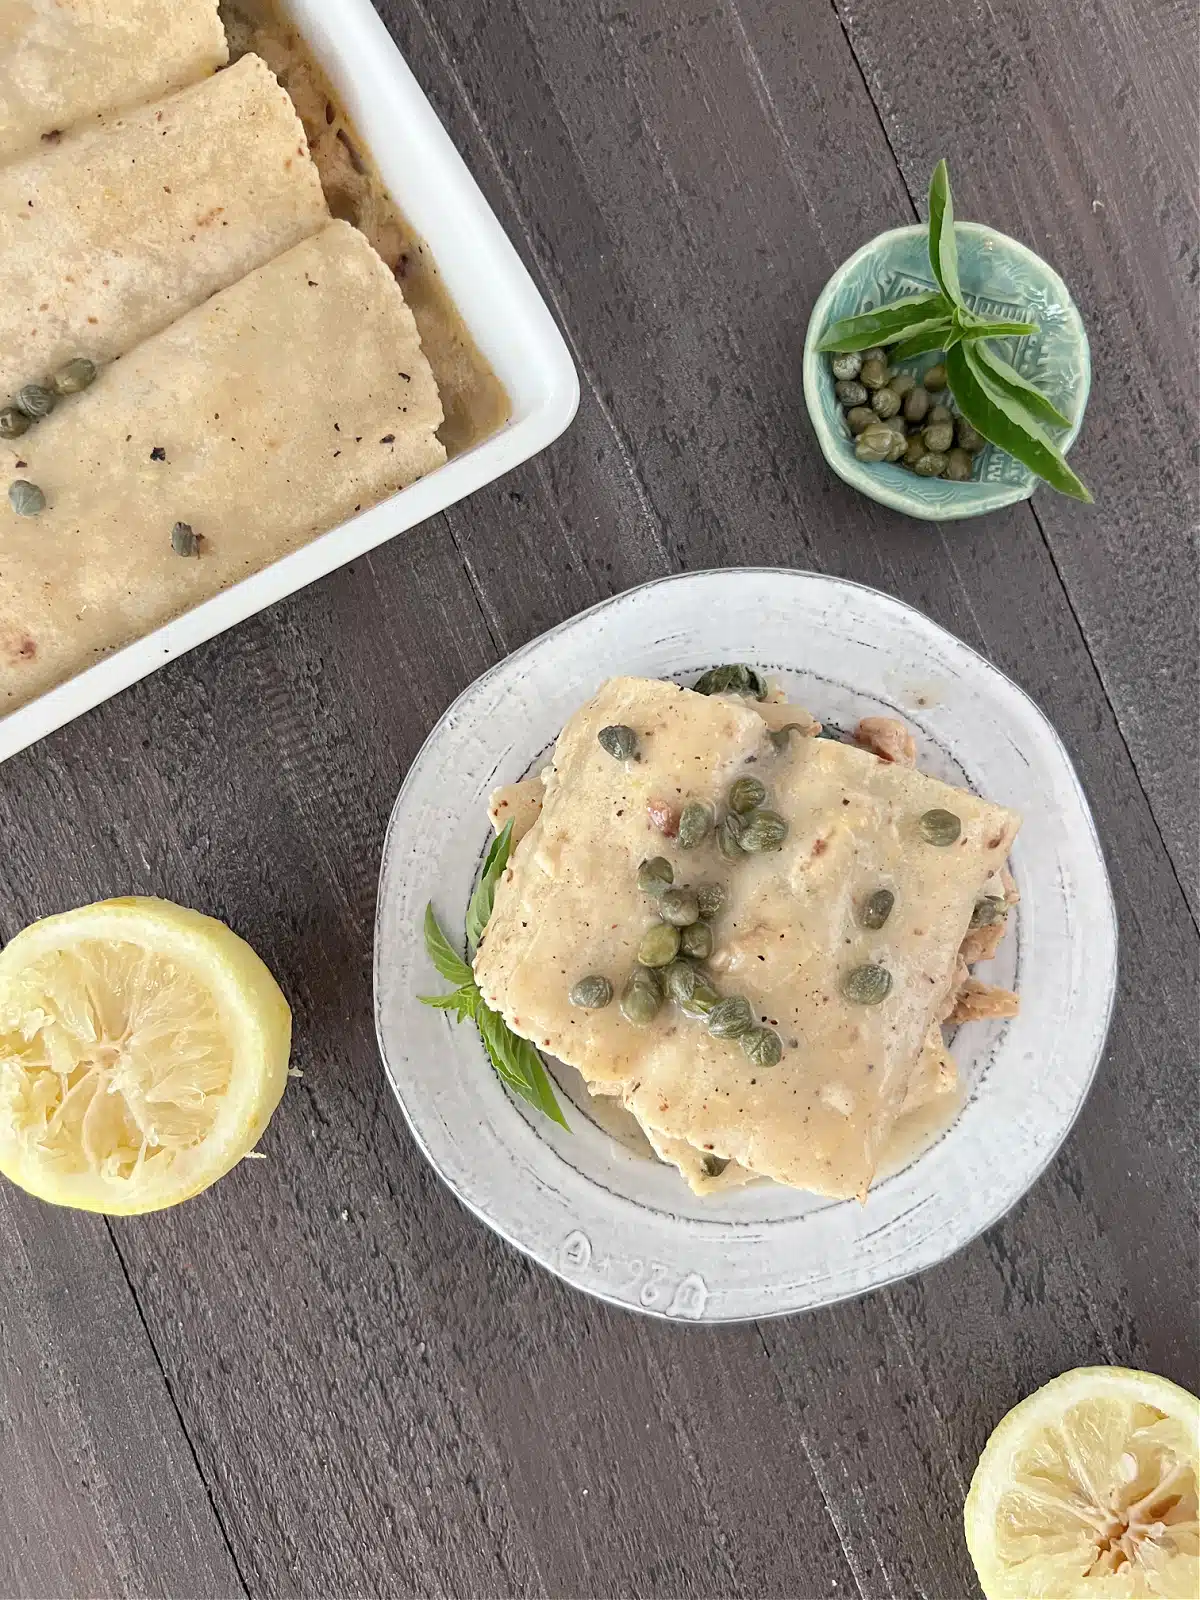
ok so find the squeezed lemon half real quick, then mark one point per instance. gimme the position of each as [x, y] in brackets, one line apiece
[1088, 1489]
[143, 1048]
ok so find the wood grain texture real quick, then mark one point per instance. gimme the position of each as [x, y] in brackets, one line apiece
[382, 1398]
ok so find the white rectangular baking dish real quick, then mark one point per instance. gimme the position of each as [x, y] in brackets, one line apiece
[493, 292]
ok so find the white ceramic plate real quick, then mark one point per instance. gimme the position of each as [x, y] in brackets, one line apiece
[495, 296]
[626, 1228]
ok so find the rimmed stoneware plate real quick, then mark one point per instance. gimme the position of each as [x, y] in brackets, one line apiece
[588, 1204]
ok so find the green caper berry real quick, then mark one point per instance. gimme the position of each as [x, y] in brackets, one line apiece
[867, 985]
[704, 998]
[859, 418]
[36, 401]
[958, 466]
[939, 413]
[695, 824]
[13, 422]
[26, 498]
[712, 898]
[850, 393]
[765, 830]
[762, 1046]
[968, 438]
[875, 373]
[903, 383]
[679, 907]
[76, 376]
[696, 941]
[730, 1018]
[916, 403]
[914, 449]
[659, 945]
[931, 464]
[655, 876]
[874, 443]
[729, 836]
[641, 998]
[885, 402]
[592, 993]
[745, 795]
[877, 908]
[680, 980]
[713, 1166]
[939, 827]
[939, 436]
[620, 742]
[935, 378]
[847, 365]
[987, 911]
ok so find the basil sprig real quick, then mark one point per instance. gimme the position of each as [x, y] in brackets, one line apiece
[516, 1061]
[992, 395]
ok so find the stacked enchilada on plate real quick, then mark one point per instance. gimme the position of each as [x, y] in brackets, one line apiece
[259, 375]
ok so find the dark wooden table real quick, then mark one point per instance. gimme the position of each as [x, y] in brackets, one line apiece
[324, 1378]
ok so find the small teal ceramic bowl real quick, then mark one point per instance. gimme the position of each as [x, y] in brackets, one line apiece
[1000, 278]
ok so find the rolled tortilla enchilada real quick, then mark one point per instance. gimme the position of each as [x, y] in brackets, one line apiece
[110, 235]
[60, 62]
[264, 417]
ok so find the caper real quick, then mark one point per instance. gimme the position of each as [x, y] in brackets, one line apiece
[659, 945]
[620, 742]
[730, 1018]
[765, 830]
[969, 438]
[850, 393]
[828, 731]
[713, 1166]
[745, 795]
[847, 365]
[736, 678]
[592, 993]
[696, 941]
[781, 738]
[695, 824]
[877, 908]
[899, 440]
[903, 383]
[641, 998]
[875, 353]
[183, 541]
[914, 449]
[860, 417]
[680, 980]
[14, 422]
[680, 908]
[939, 827]
[958, 466]
[987, 911]
[931, 464]
[655, 876]
[939, 413]
[875, 373]
[26, 498]
[762, 1046]
[874, 443]
[916, 403]
[729, 836]
[935, 378]
[712, 898]
[704, 997]
[885, 402]
[76, 376]
[939, 436]
[867, 985]
[35, 400]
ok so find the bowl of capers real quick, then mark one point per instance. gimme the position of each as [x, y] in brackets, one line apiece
[946, 369]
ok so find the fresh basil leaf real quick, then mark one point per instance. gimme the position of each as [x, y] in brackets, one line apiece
[451, 965]
[1006, 423]
[976, 328]
[466, 1001]
[943, 250]
[518, 1065]
[932, 336]
[885, 325]
[1010, 382]
[482, 900]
